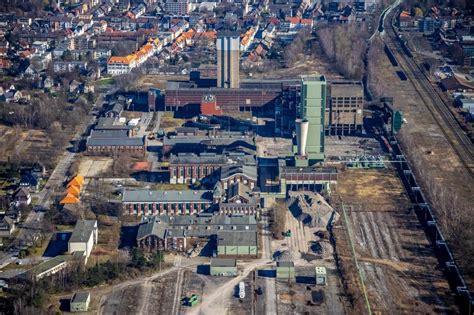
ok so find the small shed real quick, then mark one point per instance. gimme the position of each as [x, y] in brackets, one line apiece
[285, 270]
[321, 278]
[223, 267]
[80, 302]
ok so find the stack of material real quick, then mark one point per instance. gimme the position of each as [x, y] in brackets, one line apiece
[73, 191]
[313, 208]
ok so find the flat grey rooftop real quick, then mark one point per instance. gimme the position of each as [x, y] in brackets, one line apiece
[223, 262]
[80, 297]
[166, 196]
[237, 238]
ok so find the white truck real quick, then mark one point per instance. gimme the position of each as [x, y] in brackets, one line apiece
[242, 290]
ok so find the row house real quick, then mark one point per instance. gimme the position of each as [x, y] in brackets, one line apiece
[117, 65]
[69, 66]
[247, 38]
[183, 40]
[179, 28]
[169, 202]
[95, 54]
[295, 23]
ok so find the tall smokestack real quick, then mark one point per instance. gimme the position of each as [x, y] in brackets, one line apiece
[301, 135]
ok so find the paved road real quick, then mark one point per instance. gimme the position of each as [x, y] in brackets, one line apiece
[152, 156]
[270, 283]
[217, 302]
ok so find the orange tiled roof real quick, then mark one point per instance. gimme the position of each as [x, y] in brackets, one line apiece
[69, 199]
[141, 166]
[405, 14]
[5, 63]
[76, 181]
[293, 20]
[73, 190]
[118, 59]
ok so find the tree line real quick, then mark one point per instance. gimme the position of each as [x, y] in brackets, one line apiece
[345, 45]
[26, 296]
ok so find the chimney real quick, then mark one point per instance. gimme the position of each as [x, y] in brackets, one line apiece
[301, 135]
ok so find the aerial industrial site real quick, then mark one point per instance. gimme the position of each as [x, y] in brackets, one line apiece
[237, 157]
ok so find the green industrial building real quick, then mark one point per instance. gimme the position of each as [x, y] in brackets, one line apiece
[285, 270]
[309, 148]
[80, 302]
[237, 243]
[223, 267]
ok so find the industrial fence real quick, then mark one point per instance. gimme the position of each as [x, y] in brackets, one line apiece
[464, 299]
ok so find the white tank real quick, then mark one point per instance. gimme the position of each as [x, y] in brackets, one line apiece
[241, 290]
[301, 135]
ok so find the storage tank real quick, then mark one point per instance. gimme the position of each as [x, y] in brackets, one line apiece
[301, 135]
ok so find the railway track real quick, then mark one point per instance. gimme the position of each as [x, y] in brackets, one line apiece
[433, 102]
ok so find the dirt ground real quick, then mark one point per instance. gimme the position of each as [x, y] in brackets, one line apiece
[157, 81]
[202, 285]
[400, 270]
[156, 297]
[307, 64]
[273, 146]
[293, 297]
[17, 142]
[442, 168]
[169, 123]
[93, 166]
[351, 146]
[107, 243]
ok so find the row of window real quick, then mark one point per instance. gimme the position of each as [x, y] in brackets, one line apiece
[167, 206]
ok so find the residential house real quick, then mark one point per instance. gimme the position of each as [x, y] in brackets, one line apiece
[69, 66]
[29, 181]
[74, 86]
[7, 227]
[5, 65]
[22, 196]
